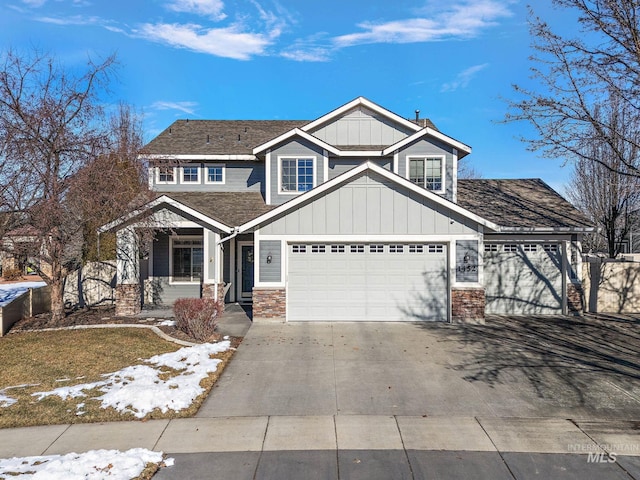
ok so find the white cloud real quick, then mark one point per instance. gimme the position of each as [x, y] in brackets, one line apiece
[229, 42]
[34, 3]
[185, 107]
[464, 19]
[70, 20]
[463, 78]
[315, 54]
[209, 8]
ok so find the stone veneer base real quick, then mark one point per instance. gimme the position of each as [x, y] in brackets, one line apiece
[128, 300]
[575, 299]
[467, 305]
[269, 304]
[208, 291]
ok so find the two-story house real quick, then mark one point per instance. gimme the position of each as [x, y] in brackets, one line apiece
[357, 215]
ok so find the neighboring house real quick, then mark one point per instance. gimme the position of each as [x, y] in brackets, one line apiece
[358, 215]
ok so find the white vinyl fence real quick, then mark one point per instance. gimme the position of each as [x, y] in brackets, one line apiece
[611, 286]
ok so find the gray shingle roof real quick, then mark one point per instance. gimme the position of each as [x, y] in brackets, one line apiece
[523, 203]
[226, 137]
[230, 208]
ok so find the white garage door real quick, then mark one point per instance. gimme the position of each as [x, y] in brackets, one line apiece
[367, 282]
[523, 279]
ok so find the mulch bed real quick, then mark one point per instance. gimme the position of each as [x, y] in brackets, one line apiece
[103, 316]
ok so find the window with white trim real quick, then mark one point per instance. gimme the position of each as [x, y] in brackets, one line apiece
[376, 248]
[296, 174]
[299, 248]
[436, 248]
[357, 248]
[427, 172]
[165, 175]
[490, 247]
[337, 249]
[530, 247]
[416, 248]
[550, 247]
[187, 259]
[510, 247]
[190, 174]
[396, 248]
[318, 248]
[215, 174]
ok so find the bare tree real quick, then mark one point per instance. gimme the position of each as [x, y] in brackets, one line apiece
[59, 160]
[574, 74]
[601, 189]
[467, 171]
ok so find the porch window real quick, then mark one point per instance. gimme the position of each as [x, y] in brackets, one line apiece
[296, 175]
[187, 259]
[427, 172]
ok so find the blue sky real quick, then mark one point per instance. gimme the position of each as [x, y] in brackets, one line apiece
[298, 59]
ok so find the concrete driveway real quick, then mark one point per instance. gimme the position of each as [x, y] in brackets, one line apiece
[563, 367]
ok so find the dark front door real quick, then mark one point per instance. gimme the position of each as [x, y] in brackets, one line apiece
[247, 271]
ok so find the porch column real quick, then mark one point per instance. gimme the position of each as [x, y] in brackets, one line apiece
[212, 285]
[128, 301]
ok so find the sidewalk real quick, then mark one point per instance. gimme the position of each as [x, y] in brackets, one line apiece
[360, 446]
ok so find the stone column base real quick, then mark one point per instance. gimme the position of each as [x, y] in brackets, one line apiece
[575, 299]
[269, 304]
[467, 305]
[128, 300]
[209, 289]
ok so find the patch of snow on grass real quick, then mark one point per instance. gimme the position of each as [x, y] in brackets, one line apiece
[9, 291]
[167, 323]
[139, 390]
[6, 401]
[95, 464]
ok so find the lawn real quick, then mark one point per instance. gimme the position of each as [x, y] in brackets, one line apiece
[43, 361]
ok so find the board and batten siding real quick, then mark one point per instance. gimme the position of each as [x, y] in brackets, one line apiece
[270, 271]
[425, 148]
[296, 148]
[238, 177]
[370, 206]
[342, 165]
[361, 127]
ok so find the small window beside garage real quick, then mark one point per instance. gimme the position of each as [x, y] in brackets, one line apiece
[416, 248]
[436, 248]
[550, 247]
[490, 247]
[530, 247]
[376, 248]
[510, 247]
[337, 249]
[396, 248]
[299, 248]
[318, 249]
[357, 248]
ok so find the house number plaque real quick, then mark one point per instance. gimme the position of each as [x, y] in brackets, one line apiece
[466, 261]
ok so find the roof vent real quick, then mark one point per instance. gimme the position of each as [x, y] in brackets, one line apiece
[417, 116]
[207, 138]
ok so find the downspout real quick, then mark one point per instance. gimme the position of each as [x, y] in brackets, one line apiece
[234, 233]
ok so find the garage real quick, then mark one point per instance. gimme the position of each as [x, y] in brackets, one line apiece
[367, 282]
[523, 278]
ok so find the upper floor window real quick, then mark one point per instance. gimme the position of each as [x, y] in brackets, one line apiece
[296, 174]
[215, 174]
[190, 174]
[427, 172]
[165, 175]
